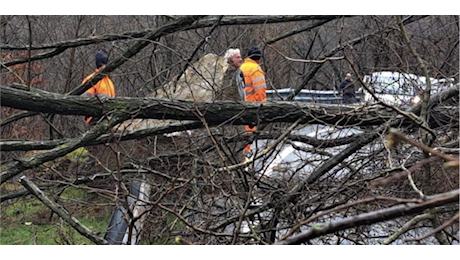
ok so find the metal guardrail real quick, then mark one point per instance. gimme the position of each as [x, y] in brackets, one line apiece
[311, 96]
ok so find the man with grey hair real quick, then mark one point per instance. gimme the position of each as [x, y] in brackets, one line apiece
[233, 57]
[232, 89]
[233, 81]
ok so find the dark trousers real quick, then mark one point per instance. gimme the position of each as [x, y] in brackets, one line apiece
[349, 98]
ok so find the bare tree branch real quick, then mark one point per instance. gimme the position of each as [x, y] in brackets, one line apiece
[373, 217]
[58, 209]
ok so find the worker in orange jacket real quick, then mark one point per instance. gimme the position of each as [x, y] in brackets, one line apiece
[254, 85]
[103, 88]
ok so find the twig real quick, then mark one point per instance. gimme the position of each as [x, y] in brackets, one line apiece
[396, 137]
[402, 174]
[265, 151]
[441, 227]
[406, 227]
[306, 61]
[373, 217]
[58, 209]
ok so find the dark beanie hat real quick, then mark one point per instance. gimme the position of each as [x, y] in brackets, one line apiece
[254, 53]
[101, 59]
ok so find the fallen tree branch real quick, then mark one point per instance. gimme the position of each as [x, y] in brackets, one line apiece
[61, 212]
[373, 217]
[15, 167]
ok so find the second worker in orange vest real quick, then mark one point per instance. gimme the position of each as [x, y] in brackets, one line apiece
[103, 88]
[255, 87]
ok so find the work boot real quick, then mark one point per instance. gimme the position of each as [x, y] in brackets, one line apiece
[248, 157]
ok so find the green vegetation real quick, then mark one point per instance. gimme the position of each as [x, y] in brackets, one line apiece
[29, 222]
[28, 233]
[78, 155]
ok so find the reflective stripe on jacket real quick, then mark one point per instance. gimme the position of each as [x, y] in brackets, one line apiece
[254, 81]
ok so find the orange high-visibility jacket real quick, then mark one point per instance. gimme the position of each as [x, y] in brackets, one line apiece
[104, 88]
[254, 81]
[254, 86]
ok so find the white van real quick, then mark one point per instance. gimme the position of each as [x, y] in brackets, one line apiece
[400, 89]
[393, 88]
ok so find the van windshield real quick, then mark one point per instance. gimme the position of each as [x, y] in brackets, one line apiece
[392, 85]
